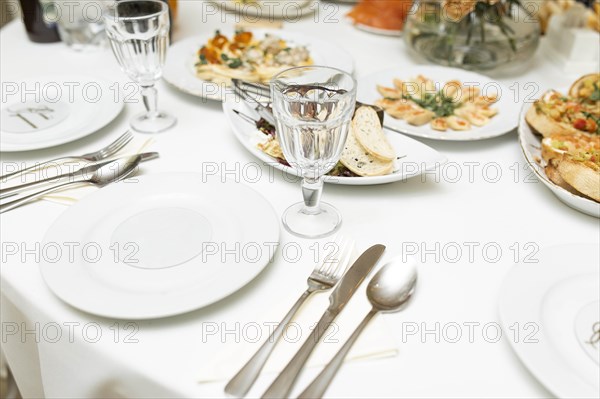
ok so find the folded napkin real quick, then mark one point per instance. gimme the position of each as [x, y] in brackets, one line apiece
[376, 341]
[71, 195]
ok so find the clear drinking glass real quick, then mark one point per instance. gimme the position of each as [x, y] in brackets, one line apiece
[138, 31]
[80, 23]
[313, 107]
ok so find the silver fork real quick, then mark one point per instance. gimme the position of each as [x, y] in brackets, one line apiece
[95, 156]
[323, 278]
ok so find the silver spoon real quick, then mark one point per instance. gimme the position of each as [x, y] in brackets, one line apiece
[388, 291]
[110, 172]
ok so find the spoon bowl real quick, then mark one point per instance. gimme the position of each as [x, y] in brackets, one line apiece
[393, 285]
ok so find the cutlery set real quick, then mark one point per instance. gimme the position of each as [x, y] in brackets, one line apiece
[99, 171]
[388, 291]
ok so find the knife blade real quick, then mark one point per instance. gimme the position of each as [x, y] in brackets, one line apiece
[338, 299]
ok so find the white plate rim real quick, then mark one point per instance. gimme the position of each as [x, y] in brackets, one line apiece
[576, 202]
[148, 314]
[366, 94]
[507, 305]
[227, 5]
[178, 73]
[350, 181]
[85, 130]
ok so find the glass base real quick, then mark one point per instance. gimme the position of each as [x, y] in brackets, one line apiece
[159, 123]
[306, 225]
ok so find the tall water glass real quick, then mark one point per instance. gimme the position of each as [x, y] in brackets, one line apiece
[138, 31]
[313, 107]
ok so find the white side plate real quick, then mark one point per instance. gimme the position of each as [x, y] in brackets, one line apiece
[553, 301]
[88, 101]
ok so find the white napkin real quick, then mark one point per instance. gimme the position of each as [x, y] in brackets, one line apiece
[376, 341]
[71, 195]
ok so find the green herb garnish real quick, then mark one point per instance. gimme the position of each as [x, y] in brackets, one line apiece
[438, 103]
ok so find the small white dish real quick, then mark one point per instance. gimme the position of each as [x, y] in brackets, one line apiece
[180, 70]
[266, 9]
[415, 158]
[531, 145]
[546, 303]
[160, 245]
[505, 122]
[81, 105]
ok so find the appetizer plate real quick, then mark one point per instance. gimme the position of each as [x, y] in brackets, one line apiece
[156, 246]
[415, 158]
[504, 122]
[54, 110]
[180, 68]
[270, 9]
[377, 31]
[556, 303]
[531, 145]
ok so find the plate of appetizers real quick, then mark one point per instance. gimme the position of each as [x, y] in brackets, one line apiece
[204, 66]
[441, 103]
[372, 155]
[560, 137]
[267, 9]
[555, 304]
[380, 17]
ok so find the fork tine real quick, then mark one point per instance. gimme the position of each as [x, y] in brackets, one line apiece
[115, 149]
[344, 260]
[119, 143]
[326, 267]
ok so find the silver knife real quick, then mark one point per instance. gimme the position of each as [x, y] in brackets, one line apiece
[338, 299]
[86, 170]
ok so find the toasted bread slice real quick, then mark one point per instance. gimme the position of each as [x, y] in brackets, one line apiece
[560, 144]
[369, 134]
[555, 177]
[356, 158]
[582, 176]
[542, 124]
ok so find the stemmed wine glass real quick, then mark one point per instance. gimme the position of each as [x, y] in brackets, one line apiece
[138, 31]
[313, 107]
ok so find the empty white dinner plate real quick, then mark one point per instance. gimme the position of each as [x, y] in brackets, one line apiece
[505, 121]
[159, 245]
[531, 145]
[180, 71]
[414, 157]
[550, 312]
[52, 110]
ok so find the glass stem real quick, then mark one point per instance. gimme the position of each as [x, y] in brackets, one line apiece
[150, 101]
[311, 191]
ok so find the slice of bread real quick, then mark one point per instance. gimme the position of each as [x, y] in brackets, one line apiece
[369, 134]
[356, 158]
[582, 176]
[541, 123]
[555, 177]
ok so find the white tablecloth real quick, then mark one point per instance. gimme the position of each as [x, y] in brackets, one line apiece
[485, 199]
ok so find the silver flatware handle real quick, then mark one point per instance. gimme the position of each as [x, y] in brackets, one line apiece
[317, 388]
[24, 200]
[37, 166]
[28, 186]
[241, 383]
[283, 384]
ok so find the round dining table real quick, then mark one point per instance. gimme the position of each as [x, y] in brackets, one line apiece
[468, 223]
